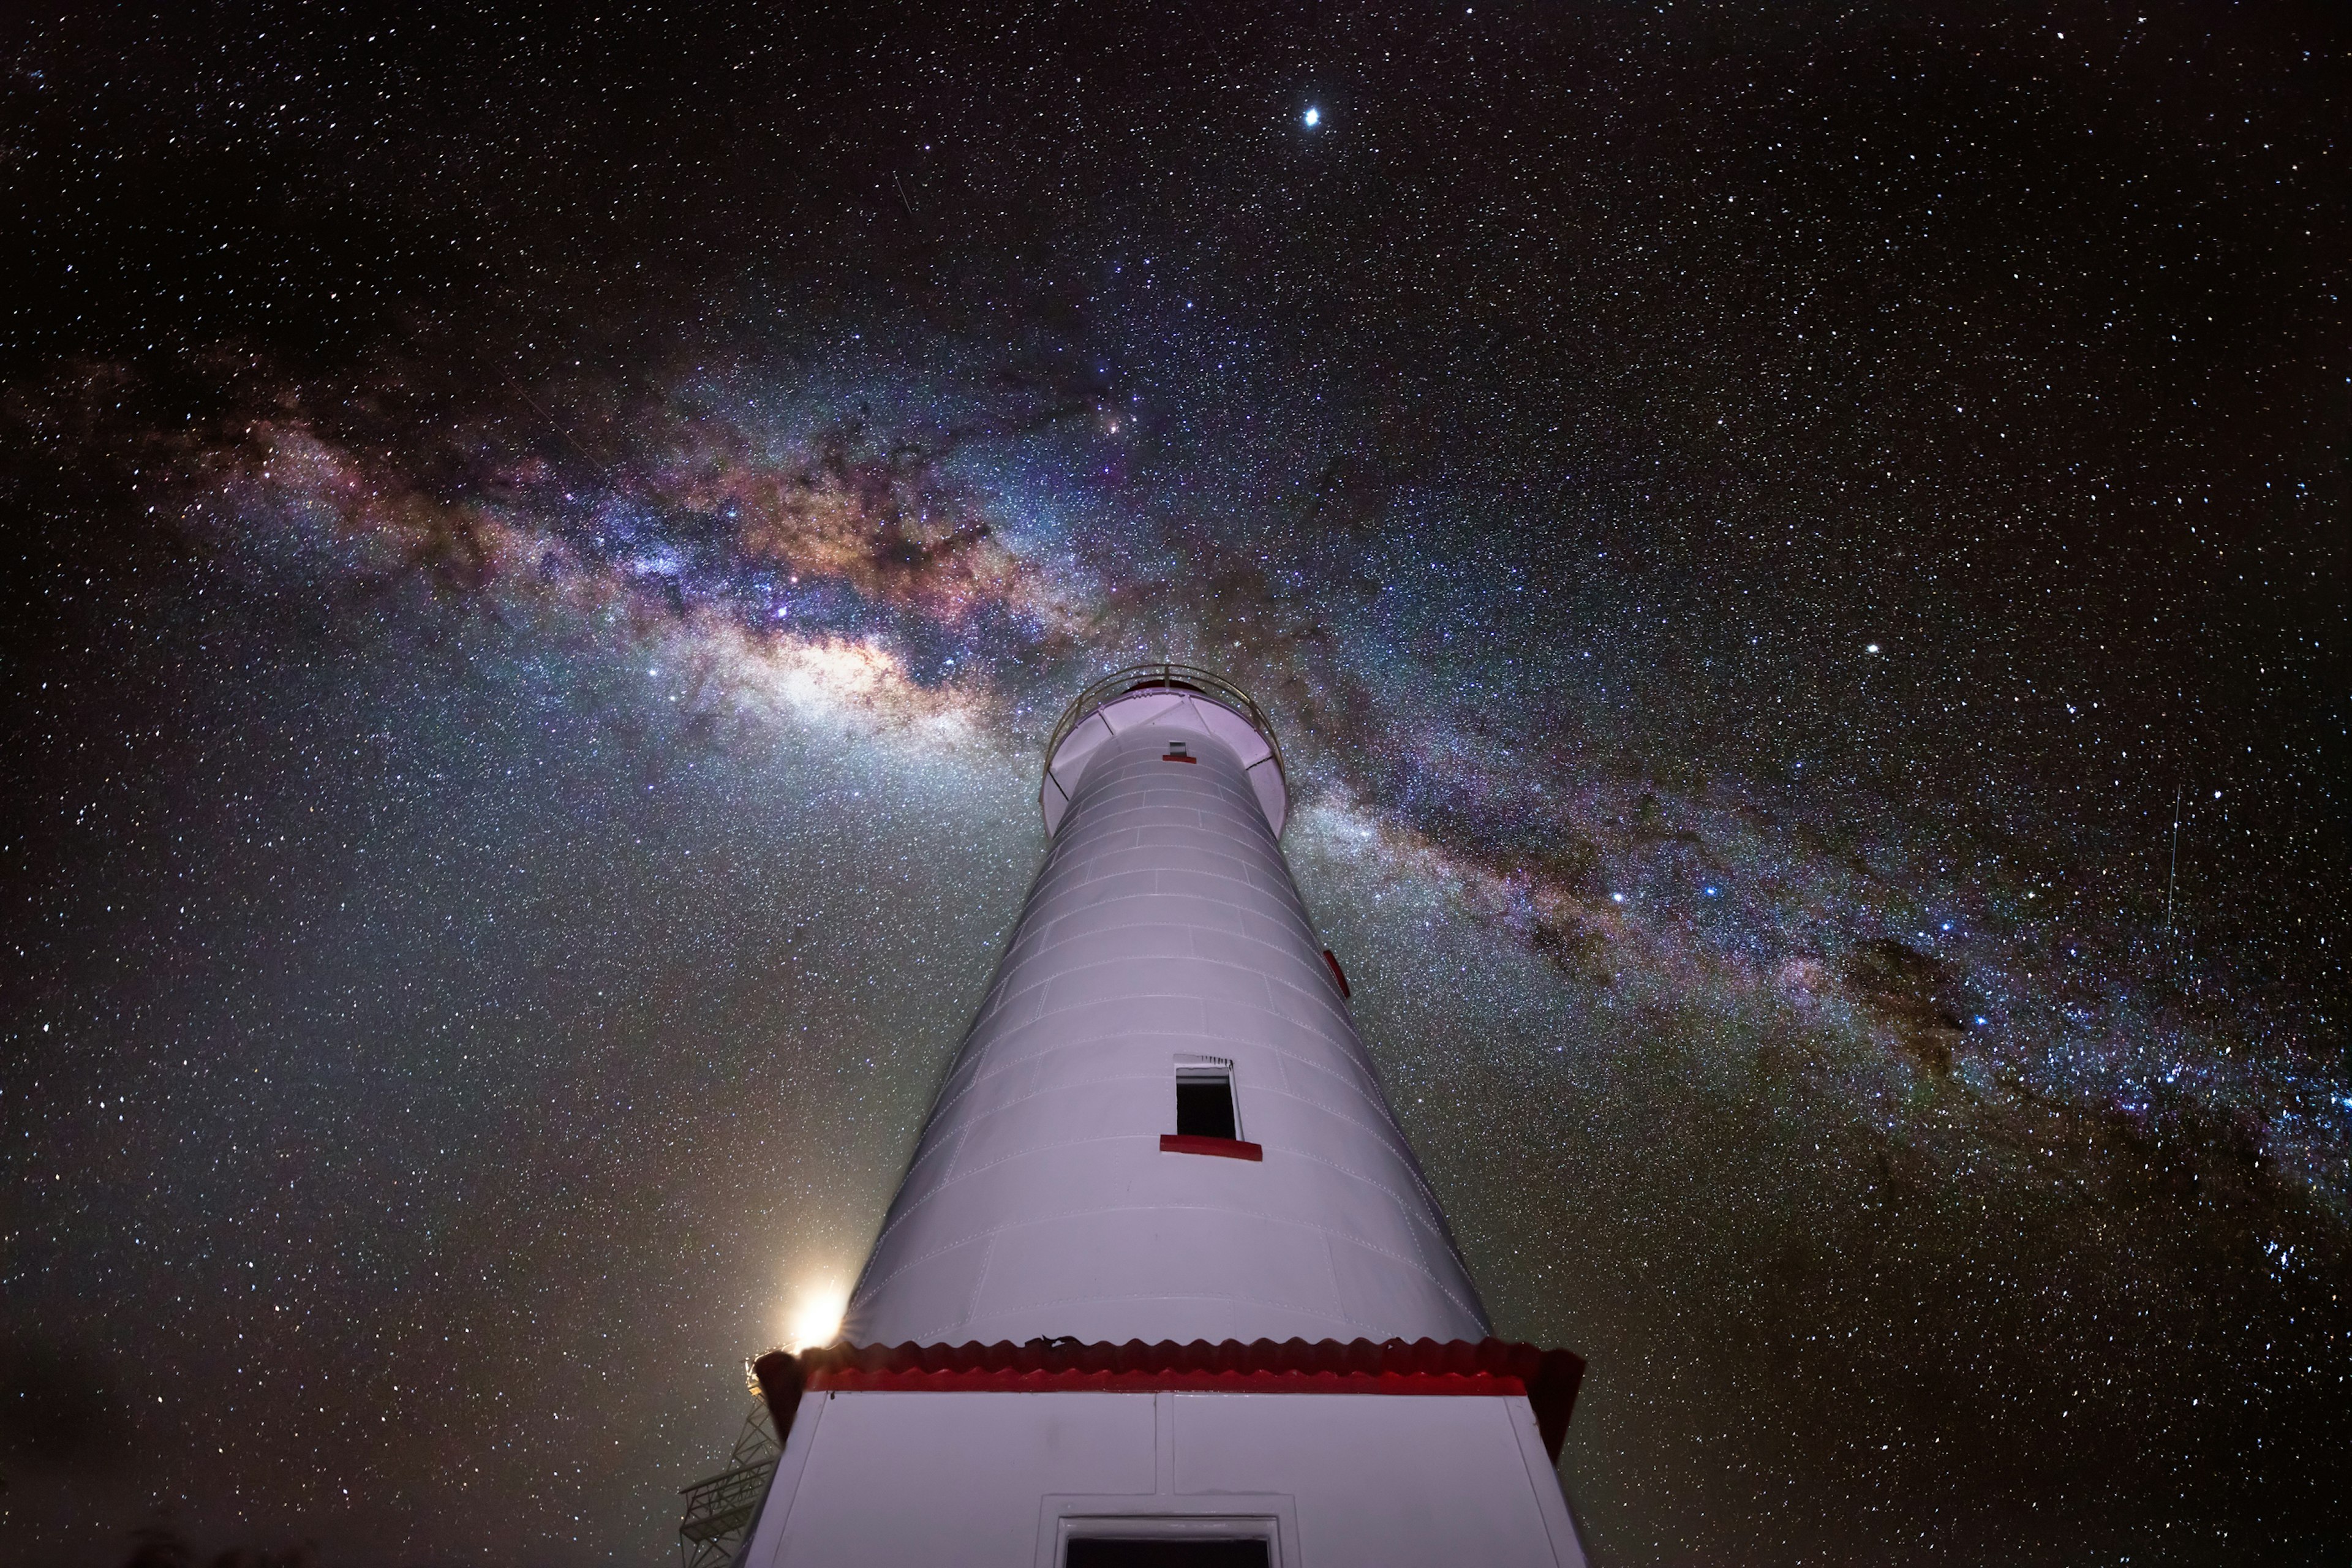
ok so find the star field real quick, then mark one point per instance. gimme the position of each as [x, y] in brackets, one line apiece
[1797, 558]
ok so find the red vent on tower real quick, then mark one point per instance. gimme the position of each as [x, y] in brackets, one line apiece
[1178, 757]
[1337, 973]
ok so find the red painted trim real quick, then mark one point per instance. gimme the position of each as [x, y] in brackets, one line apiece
[1193, 1143]
[1475, 1384]
[1337, 973]
[1178, 757]
[1550, 1379]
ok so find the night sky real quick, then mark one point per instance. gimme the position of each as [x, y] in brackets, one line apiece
[542, 548]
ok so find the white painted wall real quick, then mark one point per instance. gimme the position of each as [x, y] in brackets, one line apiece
[998, 1480]
[1163, 925]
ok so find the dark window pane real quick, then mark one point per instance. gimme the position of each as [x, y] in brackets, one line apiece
[1205, 1107]
[1166, 1554]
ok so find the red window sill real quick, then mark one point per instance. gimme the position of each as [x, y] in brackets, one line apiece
[1224, 1148]
[1179, 757]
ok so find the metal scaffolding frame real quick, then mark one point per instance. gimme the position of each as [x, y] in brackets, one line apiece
[719, 1509]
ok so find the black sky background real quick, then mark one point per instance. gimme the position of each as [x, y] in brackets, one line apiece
[1816, 474]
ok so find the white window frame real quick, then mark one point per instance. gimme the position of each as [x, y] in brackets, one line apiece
[1270, 1517]
[1201, 1069]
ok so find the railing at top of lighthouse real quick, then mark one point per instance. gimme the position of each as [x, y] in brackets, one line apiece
[1166, 676]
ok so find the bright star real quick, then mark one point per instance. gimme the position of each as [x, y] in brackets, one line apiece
[1313, 117]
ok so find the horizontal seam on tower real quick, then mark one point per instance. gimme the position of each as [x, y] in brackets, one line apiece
[956, 1178]
[894, 1221]
[1156, 871]
[1295, 925]
[1342, 1316]
[1235, 804]
[1021, 950]
[1126, 959]
[993, 1232]
[1292, 958]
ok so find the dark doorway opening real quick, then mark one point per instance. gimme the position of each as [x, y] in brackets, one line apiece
[1111, 1553]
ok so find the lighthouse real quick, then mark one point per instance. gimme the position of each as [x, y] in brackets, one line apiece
[1164, 1284]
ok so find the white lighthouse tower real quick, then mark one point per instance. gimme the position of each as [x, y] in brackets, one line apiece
[1163, 1284]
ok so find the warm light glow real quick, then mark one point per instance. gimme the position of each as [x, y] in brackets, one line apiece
[813, 1318]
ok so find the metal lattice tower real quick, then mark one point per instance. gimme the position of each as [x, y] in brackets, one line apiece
[719, 1509]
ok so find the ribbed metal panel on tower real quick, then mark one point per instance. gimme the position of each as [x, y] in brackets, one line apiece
[1163, 940]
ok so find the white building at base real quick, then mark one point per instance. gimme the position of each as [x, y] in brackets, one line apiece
[1164, 1285]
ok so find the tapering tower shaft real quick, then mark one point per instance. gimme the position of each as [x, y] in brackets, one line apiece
[1163, 1124]
[1163, 1284]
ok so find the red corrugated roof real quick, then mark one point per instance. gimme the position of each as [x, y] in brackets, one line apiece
[1548, 1378]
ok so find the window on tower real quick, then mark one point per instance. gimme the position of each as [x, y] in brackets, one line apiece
[1204, 1104]
[1206, 1121]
